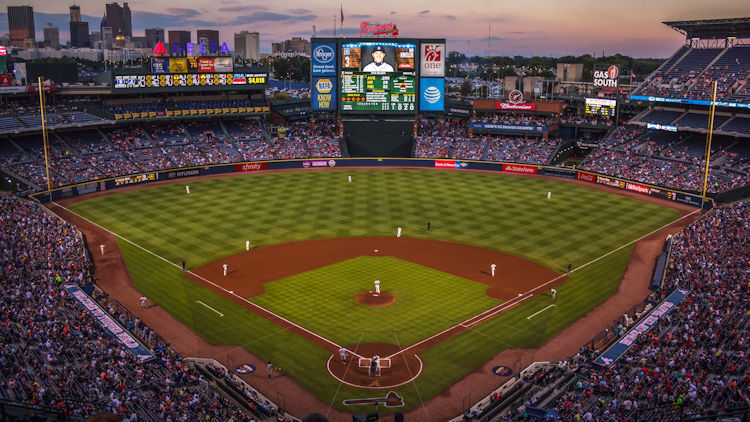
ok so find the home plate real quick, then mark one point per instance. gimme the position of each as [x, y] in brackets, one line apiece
[376, 250]
[231, 292]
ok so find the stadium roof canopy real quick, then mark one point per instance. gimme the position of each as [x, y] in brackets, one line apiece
[714, 29]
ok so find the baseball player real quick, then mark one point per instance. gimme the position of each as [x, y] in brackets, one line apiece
[184, 265]
[269, 367]
[377, 287]
[247, 245]
[428, 226]
[350, 179]
[549, 195]
[101, 247]
[569, 267]
[342, 354]
[226, 267]
[143, 302]
[492, 269]
[554, 292]
[187, 189]
[398, 232]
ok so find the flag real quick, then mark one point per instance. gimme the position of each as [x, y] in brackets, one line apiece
[342, 13]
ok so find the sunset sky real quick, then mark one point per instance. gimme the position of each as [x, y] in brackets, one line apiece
[541, 27]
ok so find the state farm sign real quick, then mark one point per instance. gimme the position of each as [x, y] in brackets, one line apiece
[433, 60]
[518, 168]
[500, 105]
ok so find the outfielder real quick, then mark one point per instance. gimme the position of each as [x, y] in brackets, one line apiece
[377, 287]
[549, 195]
[187, 189]
[225, 269]
[398, 232]
[492, 269]
[350, 179]
[247, 245]
[554, 292]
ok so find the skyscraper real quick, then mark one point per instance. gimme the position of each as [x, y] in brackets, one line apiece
[207, 37]
[75, 13]
[247, 45]
[127, 23]
[51, 36]
[79, 34]
[115, 18]
[153, 35]
[21, 24]
[181, 38]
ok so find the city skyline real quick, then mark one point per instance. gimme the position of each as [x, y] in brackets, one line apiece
[478, 28]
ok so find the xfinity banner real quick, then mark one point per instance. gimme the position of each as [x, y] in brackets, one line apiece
[324, 93]
[431, 94]
[324, 59]
[618, 349]
[141, 352]
[687, 101]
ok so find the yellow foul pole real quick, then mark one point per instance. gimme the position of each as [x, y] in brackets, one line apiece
[709, 137]
[44, 136]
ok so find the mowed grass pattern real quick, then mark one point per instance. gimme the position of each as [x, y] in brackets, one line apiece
[500, 212]
[323, 300]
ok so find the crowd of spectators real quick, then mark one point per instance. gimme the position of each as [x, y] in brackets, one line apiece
[20, 114]
[490, 148]
[694, 361]
[571, 117]
[674, 164]
[81, 156]
[53, 354]
[523, 119]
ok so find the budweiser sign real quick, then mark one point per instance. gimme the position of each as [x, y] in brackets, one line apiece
[366, 28]
[500, 105]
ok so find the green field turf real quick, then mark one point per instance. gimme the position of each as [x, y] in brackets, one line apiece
[505, 213]
[323, 300]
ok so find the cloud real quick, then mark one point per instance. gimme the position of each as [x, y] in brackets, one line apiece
[272, 17]
[360, 16]
[424, 12]
[393, 12]
[516, 32]
[300, 11]
[142, 20]
[492, 38]
[233, 9]
[449, 17]
[179, 11]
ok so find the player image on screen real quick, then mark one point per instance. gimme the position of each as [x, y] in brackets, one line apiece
[378, 64]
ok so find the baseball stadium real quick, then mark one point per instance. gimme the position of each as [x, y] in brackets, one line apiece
[184, 240]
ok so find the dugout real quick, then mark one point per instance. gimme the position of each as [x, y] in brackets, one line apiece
[379, 137]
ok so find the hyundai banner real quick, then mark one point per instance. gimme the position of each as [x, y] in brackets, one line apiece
[110, 325]
[324, 59]
[324, 93]
[431, 94]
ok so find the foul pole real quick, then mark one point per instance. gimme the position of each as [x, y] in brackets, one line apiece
[44, 136]
[709, 137]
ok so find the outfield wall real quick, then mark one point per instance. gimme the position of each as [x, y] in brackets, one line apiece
[255, 166]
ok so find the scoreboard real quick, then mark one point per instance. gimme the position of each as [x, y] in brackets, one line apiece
[601, 107]
[366, 92]
[169, 74]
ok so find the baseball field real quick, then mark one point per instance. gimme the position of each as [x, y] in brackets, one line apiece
[319, 242]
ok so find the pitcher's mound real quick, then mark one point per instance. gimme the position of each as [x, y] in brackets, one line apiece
[375, 299]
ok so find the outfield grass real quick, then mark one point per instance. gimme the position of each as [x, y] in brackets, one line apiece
[510, 214]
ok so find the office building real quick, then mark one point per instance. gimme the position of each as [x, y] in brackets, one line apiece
[295, 45]
[21, 25]
[51, 36]
[75, 13]
[181, 39]
[247, 45]
[154, 35]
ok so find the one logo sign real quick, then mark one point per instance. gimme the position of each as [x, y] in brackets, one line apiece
[323, 53]
[515, 96]
[390, 400]
[245, 368]
[433, 60]
[502, 371]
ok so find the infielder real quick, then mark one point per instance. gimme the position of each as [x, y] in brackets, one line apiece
[102, 248]
[342, 354]
[143, 302]
[554, 292]
[549, 195]
[225, 269]
[492, 269]
[398, 232]
[377, 287]
[187, 189]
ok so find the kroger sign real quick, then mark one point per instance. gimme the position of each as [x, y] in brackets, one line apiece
[324, 59]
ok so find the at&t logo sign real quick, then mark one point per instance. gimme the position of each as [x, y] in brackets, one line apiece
[432, 95]
[323, 54]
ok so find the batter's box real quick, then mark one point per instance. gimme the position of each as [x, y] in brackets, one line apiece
[365, 362]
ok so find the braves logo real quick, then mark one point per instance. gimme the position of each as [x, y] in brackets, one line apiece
[432, 53]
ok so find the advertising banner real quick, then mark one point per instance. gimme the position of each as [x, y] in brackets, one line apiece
[431, 94]
[451, 164]
[668, 128]
[608, 181]
[618, 349]
[607, 78]
[178, 65]
[323, 93]
[503, 127]
[501, 105]
[586, 177]
[557, 172]
[318, 163]
[688, 101]
[110, 325]
[159, 65]
[206, 65]
[637, 188]
[433, 60]
[250, 167]
[519, 168]
[324, 59]
[140, 178]
[6, 79]
[223, 64]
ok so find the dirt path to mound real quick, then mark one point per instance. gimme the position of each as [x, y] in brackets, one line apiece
[114, 279]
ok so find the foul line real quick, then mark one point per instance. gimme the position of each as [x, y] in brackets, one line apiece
[539, 312]
[207, 281]
[220, 314]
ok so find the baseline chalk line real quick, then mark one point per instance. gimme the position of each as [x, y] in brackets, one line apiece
[220, 314]
[539, 312]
